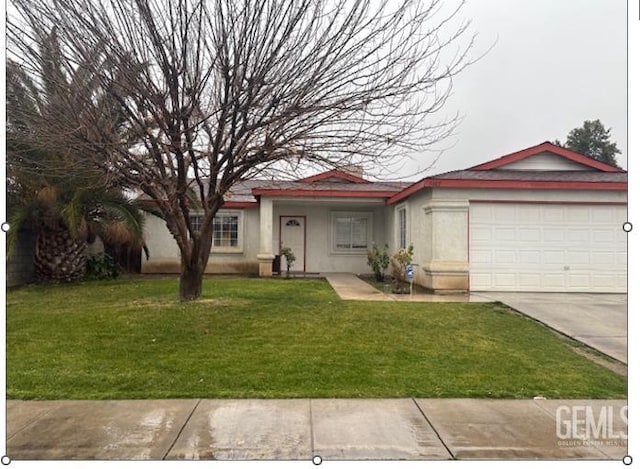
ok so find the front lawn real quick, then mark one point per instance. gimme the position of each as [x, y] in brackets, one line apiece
[279, 339]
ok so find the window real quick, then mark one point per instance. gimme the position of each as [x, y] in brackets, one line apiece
[351, 232]
[196, 222]
[402, 227]
[227, 231]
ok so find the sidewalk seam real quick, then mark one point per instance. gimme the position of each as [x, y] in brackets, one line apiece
[313, 449]
[28, 424]
[433, 428]
[181, 430]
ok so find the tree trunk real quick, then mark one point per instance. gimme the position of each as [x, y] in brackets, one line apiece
[194, 261]
[59, 257]
[191, 281]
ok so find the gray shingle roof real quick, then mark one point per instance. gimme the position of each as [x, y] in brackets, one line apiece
[551, 176]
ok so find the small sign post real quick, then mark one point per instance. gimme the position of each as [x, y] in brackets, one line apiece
[409, 273]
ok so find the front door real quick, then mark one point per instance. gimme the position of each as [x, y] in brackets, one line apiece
[292, 235]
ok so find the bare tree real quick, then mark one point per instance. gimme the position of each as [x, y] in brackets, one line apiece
[216, 91]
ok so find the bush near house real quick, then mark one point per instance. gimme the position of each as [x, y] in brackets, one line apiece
[378, 260]
[399, 263]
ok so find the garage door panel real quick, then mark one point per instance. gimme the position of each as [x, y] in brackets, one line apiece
[602, 258]
[505, 234]
[605, 215]
[528, 280]
[483, 281]
[553, 257]
[581, 258]
[504, 257]
[576, 235]
[529, 235]
[482, 257]
[553, 235]
[531, 216]
[504, 279]
[481, 234]
[581, 281]
[527, 247]
[580, 215]
[603, 279]
[553, 214]
[553, 280]
[529, 257]
[606, 237]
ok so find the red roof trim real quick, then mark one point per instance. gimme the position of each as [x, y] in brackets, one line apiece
[322, 193]
[550, 147]
[237, 204]
[335, 173]
[409, 191]
[506, 184]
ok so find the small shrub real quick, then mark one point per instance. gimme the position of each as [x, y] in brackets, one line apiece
[378, 260]
[399, 263]
[101, 267]
[289, 257]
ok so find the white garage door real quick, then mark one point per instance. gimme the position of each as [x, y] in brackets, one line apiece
[547, 247]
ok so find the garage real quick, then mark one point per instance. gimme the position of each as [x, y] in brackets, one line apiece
[547, 247]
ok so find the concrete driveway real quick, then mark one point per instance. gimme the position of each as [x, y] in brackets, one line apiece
[596, 319]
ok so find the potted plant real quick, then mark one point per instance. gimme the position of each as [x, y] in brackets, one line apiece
[289, 257]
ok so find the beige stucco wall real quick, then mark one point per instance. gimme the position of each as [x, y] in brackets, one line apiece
[164, 255]
[545, 161]
[319, 253]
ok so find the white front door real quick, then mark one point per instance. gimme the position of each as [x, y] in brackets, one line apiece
[547, 247]
[293, 235]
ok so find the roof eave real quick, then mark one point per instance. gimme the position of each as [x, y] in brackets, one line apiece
[322, 193]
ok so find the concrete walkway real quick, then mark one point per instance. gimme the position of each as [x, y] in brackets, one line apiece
[350, 287]
[299, 429]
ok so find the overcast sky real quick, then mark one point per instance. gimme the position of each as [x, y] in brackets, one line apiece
[555, 64]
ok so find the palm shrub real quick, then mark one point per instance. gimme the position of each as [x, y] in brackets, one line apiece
[51, 187]
[378, 260]
[65, 221]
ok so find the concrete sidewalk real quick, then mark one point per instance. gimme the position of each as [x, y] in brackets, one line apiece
[299, 429]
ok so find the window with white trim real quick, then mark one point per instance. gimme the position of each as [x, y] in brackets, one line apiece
[351, 231]
[196, 222]
[227, 230]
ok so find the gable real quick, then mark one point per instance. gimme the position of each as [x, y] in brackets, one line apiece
[585, 163]
[545, 161]
[337, 175]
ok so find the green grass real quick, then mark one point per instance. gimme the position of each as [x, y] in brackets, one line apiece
[279, 338]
